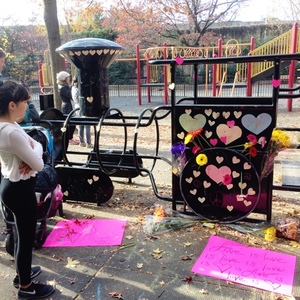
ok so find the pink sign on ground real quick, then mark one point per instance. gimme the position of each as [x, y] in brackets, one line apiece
[231, 261]
[77, 233]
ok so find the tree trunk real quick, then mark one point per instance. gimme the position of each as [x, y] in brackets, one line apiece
[53, 37]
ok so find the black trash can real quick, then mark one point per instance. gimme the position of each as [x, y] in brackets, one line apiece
[46, 101]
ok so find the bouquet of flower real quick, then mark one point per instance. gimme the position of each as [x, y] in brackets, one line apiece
[279, 141]
[178, 158]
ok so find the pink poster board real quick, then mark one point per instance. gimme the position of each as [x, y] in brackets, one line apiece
[78, 233]
[231, 261]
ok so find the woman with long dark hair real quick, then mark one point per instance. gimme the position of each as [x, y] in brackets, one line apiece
[21, 159]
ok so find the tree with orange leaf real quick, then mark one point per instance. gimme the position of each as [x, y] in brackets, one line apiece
[172, 21]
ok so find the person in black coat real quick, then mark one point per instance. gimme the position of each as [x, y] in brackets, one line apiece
[64, 89]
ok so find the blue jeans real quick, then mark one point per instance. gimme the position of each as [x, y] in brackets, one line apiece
[87, 130]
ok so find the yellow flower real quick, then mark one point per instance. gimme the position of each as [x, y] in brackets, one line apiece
[189, 138]
[248, 145]
[201, 159]
[280, 139]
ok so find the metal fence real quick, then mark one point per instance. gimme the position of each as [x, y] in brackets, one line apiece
[260, 89]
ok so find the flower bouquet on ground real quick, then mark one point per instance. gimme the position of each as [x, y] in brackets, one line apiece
[279, 141]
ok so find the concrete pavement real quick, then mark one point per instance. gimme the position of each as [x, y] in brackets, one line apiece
[146, 266]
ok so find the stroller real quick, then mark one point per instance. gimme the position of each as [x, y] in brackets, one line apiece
[48, 192]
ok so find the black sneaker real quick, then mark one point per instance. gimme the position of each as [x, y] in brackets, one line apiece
[35, 271]
[36, 291]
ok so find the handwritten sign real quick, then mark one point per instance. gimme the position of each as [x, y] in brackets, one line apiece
[231, 261]
[78, 233]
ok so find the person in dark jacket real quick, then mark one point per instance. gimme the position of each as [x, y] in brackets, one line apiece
[64, 89]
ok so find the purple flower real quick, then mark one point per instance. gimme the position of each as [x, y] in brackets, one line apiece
[178, 149]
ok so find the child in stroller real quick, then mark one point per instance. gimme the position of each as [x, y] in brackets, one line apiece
[48, 192]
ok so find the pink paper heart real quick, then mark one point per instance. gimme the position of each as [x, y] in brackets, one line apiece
[179, 60]
[276, 83]
[217, 174]
[230, 123]
[223, 139]
[213, 142]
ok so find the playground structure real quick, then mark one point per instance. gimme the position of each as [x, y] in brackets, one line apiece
[215, 79]
[221, 125]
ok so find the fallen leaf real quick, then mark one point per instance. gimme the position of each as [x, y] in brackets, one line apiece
[187, 244]
[186, 257]
[157, 256]
[117, 295]
[188, 279]
[139, 265]
[157, 251]
[72, 263]
[129, 237]
[162, 283]
[204, 292]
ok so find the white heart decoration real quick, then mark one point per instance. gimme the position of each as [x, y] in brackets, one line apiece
[196, 173]
[208, 112]
[247, 203]
[206, 184]
[235, 174]
[189, 180]
[188, 111]
[208, 134]
[211, 123]
[189, 123]
[237, 114]
[226, 114]
[216, 115]
[180, 135]
[247, 166]
[230, 207]
[95, 178]
[235, 160]
[90, 181]
[66, 193]
[193, 192]
[229, 186]
[219, 159]
[256, 124]
[201, 200]
[242, 185]
[251, 192]
[172, 86]
[240, 198]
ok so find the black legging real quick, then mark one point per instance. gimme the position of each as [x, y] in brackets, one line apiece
[19, 197]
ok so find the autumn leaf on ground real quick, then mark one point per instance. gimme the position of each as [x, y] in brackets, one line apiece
[187, 244]
[204, 292]
[129, 237]
[162, 283]
[186, 257]
[157, 251]
[72, 263]
[117, 295]
[139, 265]
[188, 279]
